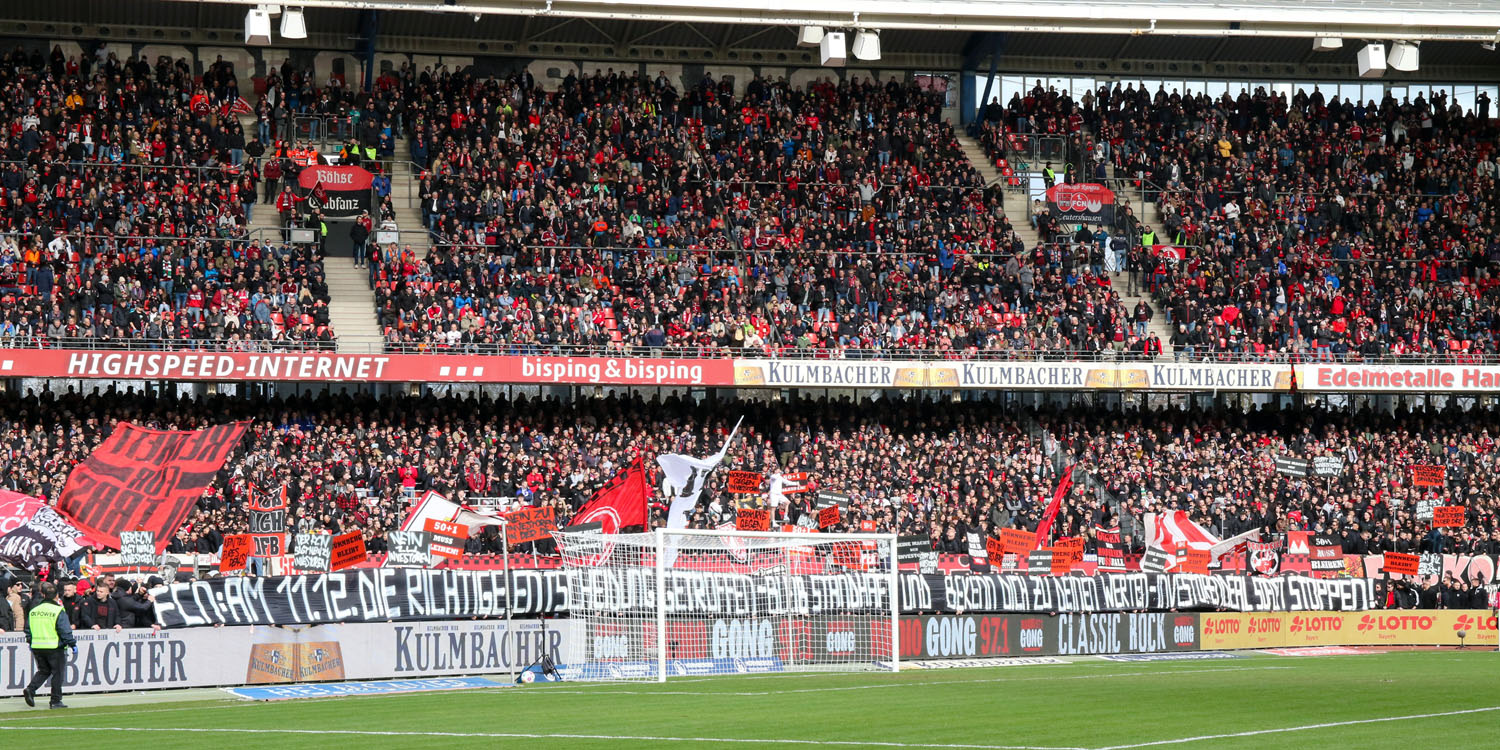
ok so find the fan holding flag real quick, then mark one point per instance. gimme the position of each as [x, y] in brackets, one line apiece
[621, 503]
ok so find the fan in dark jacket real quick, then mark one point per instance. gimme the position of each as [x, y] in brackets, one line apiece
[99, 611]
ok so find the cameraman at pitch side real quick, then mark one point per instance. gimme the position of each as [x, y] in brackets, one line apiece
[49, 632]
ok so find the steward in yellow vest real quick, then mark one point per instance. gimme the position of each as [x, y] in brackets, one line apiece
[49, 632]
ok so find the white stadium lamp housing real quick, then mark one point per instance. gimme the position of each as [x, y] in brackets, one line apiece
[832, 50]
[1372, 61]
[1327, 44]
[867, 46]
[293, 25]
[810, 36]
[257, 27]
[1404, 56]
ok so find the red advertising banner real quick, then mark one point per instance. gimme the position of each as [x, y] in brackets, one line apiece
[146, 480]
[828, 516]
[1448, 516]
[447, 538]
[753, 519]
[994, 549]
[743, 482]
[1017, 541]
[237, 549]
[530, 524]
[1424, 475]
[348, 549]
[1069, 547]
[378, 368]
[335, 178]
[267, 545]
[1195, 561]
[1400, 563]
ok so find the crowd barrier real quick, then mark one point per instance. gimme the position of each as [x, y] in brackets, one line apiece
[229, 656]
[980, 636]
[141, 659]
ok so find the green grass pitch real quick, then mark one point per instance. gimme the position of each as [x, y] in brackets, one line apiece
[1406, 700]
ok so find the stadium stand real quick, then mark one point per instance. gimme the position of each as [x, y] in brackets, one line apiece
[352, 462]
[1333, 229]
[124, 200]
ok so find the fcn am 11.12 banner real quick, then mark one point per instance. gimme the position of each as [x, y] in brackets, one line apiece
[400, 594]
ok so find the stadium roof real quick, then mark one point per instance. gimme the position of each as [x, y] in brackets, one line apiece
[1469, 20]
[1269, 39]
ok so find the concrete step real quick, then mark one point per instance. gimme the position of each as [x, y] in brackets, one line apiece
[979, 159]
[352, 306]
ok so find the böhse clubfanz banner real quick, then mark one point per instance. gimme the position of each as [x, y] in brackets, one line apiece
[390, 594]
[337, 191]
[1088, 203]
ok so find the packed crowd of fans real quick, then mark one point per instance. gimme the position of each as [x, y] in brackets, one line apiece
[840, 218]
[760, 302]
[354, 462]
[1327, 227]
[619, 212]
[125, 191]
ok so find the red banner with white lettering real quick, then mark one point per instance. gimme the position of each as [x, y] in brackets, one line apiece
[226, 367]
[146, 480]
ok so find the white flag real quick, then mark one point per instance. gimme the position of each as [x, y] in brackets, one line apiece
[433, 506]
[683, 478]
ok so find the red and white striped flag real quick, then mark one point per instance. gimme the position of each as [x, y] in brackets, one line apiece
[241, 107]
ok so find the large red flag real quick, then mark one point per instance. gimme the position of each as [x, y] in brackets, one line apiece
[619, 503]
[146, 480]
[1046, 525]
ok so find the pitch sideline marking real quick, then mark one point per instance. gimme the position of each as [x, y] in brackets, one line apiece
[1328, 725]
[762, 693]
[539, 736]
[601, 690]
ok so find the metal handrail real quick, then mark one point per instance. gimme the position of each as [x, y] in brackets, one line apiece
[720, 353]
[93, 163]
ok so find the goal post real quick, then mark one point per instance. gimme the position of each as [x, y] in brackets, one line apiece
[681, 602]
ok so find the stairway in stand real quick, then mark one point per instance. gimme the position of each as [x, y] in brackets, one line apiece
[1015, 200]
[351, 309]
[406, 201]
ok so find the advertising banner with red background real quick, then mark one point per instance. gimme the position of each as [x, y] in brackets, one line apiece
[745, 373]
[372, 368]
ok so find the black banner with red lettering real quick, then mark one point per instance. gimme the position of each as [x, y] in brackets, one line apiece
[146, 480]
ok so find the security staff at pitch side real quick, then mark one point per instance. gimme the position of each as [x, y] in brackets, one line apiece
[49, 632]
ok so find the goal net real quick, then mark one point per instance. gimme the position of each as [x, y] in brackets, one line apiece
[688, 602]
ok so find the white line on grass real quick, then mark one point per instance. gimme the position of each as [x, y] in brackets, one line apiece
[541, 736]
[601, 691]
[1304, 728]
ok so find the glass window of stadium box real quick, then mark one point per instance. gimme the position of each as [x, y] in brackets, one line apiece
[1464, 94]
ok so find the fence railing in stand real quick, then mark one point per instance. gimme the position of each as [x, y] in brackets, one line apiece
[33, 341]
